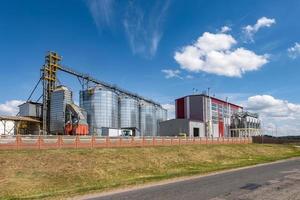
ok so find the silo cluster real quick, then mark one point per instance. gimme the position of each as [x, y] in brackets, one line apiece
[111, 109]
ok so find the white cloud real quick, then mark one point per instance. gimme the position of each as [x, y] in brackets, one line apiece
[276, 114]
[171, 110]
[10, 107]
[214, 53]
[225, 29]
[144, 29]
[169, 73]
[101, 11]
[260, 23]
[294, 51]
[272, 107]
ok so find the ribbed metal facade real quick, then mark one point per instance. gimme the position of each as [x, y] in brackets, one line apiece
[59, 99]
[129, 112]
[148, 119]
[161, 115]
[108, 109]
[30, 109]
[102, 109]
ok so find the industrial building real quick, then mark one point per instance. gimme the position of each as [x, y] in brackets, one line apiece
[205, 116]
[103, 110]
[19, 125]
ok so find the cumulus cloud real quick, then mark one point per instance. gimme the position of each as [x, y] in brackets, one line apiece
[225, 29]
[169, 73]
[215, 53]
[171, 110]
[250, 30]
[101, 11]
[10, 107]
[272, 107]
[276, 113]
[294, 51]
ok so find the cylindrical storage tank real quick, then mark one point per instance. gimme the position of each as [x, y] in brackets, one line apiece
[102, 109]
[161, 115]
[129, 112]
[148, 119]
[60, 97]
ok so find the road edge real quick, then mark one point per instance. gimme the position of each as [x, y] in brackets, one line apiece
[172, 180]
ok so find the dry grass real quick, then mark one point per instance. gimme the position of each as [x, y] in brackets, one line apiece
[60, 173]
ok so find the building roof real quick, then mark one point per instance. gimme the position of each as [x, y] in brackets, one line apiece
[182, 119]
[19, 118]
[204, 95]
[30, 102]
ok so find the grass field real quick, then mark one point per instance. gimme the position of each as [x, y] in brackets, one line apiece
[55, 174]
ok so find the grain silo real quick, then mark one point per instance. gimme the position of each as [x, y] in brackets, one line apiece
[161, 115]
[148, 119]
[60, 97]
[102, 109]
[129, 112]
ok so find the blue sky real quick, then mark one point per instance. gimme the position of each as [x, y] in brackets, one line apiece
[254, 60]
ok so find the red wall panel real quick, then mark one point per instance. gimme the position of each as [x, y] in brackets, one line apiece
[180, 108]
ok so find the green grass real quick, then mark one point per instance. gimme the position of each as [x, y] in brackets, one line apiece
[56, 174]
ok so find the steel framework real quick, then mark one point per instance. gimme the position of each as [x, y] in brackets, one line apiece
[49, 78]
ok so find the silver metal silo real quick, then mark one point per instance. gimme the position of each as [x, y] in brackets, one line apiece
[129, 112]
[102, 108]
[148, 119]
[60, 97]
[161, 115]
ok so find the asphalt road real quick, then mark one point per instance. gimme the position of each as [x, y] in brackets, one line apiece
[273, 181]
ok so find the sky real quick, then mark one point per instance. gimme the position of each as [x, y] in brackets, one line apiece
[247, 51]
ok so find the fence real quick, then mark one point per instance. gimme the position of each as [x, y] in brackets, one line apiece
[58, 142]
[275, 140]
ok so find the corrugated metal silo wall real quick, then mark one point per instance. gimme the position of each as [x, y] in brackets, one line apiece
[102, 109]
[129, 112]
[148, 119]
[59, 99]
[161, 115]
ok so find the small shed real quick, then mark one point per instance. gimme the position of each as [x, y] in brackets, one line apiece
[21, 125]
[31, 109]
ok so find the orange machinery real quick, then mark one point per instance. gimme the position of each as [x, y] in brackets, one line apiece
[76, 123]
